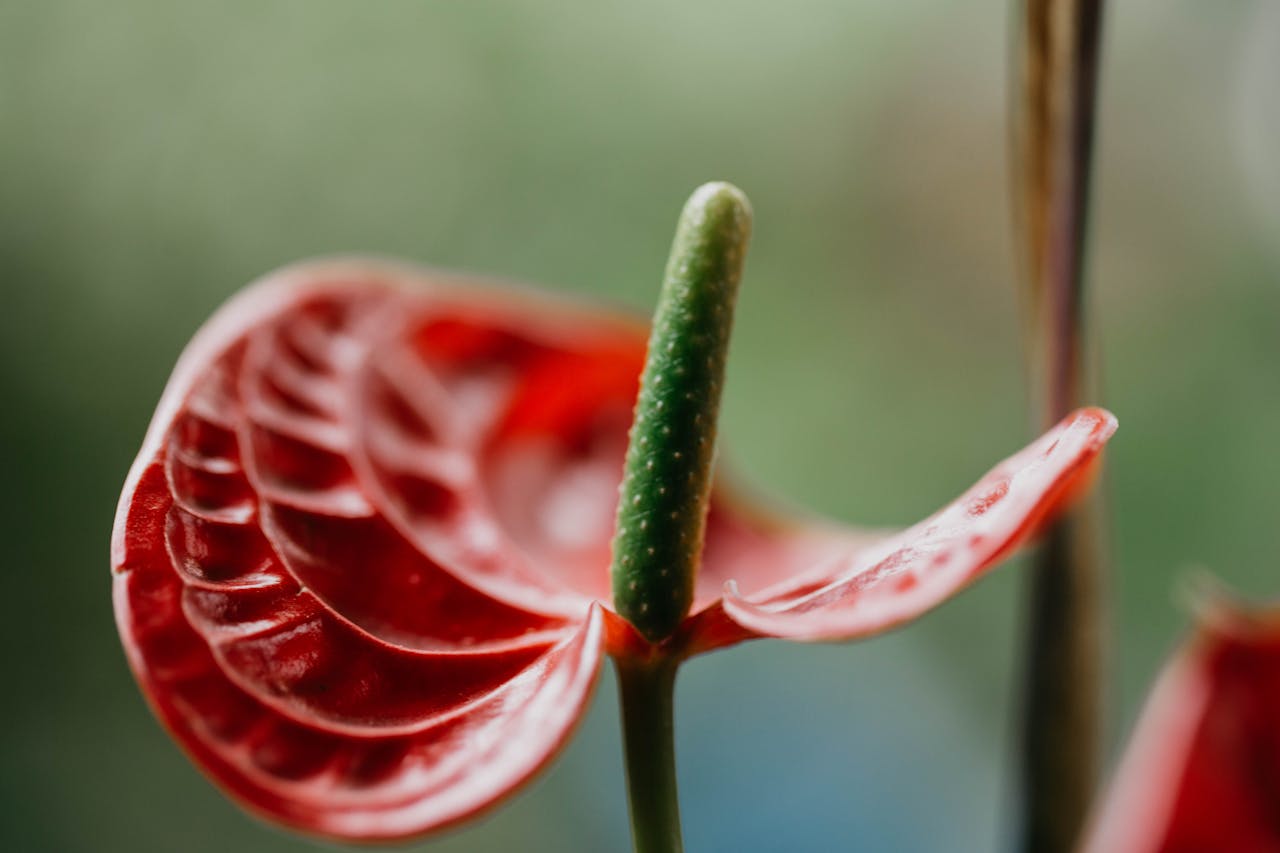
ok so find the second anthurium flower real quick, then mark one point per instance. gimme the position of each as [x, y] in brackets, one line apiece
[362, 561]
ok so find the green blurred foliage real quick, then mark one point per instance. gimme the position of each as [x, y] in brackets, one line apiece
[156, 156]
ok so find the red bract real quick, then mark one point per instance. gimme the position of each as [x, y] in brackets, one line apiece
[1202, 771]
[362, 558]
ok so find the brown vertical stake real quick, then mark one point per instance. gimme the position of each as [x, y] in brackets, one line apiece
[1054, 84]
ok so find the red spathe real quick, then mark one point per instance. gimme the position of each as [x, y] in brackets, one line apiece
[362, 559]
[1202, 771]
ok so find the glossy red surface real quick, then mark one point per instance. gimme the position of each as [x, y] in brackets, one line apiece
[361, 561]
[1202, 771]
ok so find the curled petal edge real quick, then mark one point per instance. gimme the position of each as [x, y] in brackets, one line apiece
[353, 788]
[900, 578]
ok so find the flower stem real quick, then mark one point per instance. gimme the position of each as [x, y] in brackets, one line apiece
[666, 485]
[646, 690]
[1053, 107]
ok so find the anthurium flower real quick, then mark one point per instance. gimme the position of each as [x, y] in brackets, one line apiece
[1202, 769]
[362, 560]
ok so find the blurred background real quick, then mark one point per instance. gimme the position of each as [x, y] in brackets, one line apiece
[155, 156]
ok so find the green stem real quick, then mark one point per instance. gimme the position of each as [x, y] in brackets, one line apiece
[666, 485]
[1053, 108]
[646, 694]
